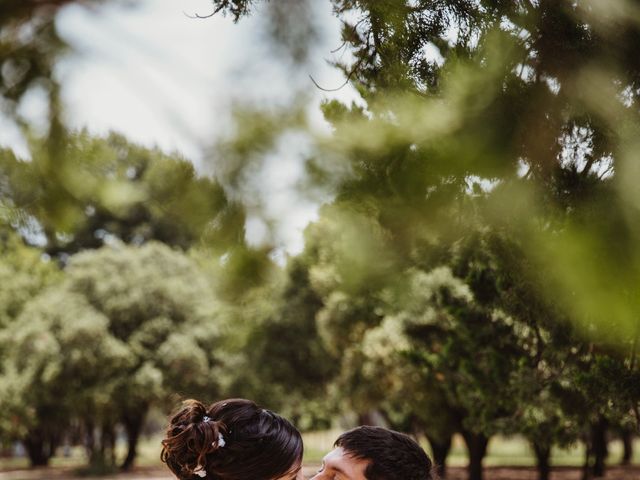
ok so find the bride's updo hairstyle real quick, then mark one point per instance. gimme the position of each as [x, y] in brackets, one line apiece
[231, 440]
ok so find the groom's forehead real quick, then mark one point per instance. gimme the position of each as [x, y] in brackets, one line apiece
[335, 456]
[342, 461]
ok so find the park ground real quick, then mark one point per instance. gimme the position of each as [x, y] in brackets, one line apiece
[455, 473]
[508, 459]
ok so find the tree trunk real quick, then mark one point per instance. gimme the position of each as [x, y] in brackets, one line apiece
[477, 448]
[366, 418]
[627, 443]
[112, 445]
[90, 442]
[53, 442]
[107, 445]
[133, 426]
[586, 469]
[103, 443]
[440, 450]
[35, 445]
[6, 450]
[543, 455]
[599, 446]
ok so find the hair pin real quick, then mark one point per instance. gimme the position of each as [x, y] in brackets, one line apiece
[200, 471]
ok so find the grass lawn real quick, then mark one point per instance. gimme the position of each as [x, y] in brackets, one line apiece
[503, 451]
[512, 451]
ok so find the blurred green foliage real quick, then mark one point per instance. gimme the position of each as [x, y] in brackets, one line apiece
[23, 274]
[497, 139]
[107, 188]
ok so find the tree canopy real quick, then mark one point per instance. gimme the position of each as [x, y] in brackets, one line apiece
[127, 328]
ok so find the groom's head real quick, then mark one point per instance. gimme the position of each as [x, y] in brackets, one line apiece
[375, 453]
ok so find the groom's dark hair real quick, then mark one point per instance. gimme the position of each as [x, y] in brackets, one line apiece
[391, 455]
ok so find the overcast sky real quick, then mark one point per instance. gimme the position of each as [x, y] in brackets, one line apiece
[162, 78]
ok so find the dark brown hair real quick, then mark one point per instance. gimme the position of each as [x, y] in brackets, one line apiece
[392, 455]
[232, 439]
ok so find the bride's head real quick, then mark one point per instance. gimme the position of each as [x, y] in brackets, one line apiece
[231, 440]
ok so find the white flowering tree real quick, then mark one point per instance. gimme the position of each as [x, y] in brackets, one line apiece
[128, 328]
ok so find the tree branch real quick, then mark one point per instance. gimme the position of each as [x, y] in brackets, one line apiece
[198, 16]
[351, 73]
